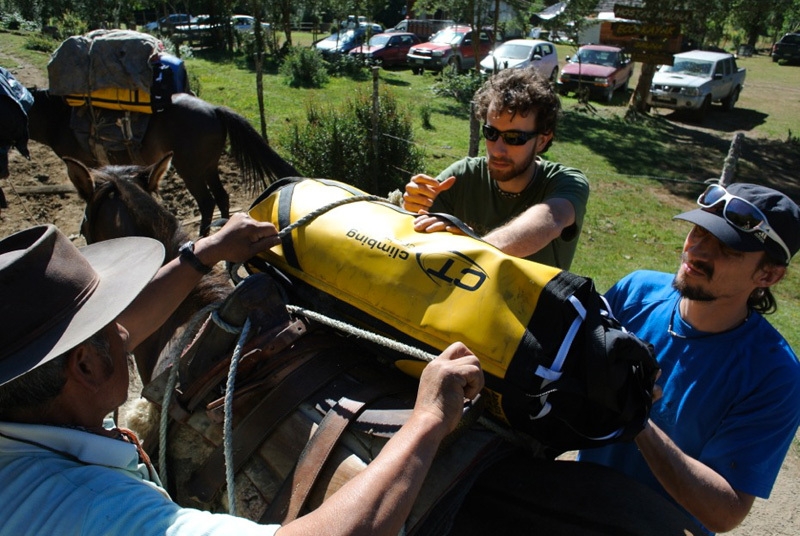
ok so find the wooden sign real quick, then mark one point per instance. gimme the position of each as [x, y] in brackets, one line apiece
[640, 13]
[637, 29]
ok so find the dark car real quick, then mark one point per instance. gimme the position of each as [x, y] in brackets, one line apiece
[342, 42]
[788, 48]
[599, 68]
[386, 49]
[451, 47]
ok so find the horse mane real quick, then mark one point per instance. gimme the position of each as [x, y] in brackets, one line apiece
[145, 216]
[150, 218]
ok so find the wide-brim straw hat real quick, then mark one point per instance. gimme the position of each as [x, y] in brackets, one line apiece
[54, 296]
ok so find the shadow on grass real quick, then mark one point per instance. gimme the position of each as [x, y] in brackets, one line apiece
[654, 146]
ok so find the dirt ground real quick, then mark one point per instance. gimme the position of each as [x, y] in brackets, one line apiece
[778, 516]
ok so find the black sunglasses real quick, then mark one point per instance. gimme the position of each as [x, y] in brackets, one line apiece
[510, 137]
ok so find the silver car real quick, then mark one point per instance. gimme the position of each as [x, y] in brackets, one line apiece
[522, 53]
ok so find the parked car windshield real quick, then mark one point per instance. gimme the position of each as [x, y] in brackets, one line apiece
[692, 67]
[379, 40]
[513, 52]
[791, 39]
[597, 57]
[344, 37]
[447, 37]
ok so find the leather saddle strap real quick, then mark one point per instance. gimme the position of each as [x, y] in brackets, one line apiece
[293, 494]
[207, 480]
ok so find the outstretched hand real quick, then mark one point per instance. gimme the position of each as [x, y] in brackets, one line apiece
[240, 239]
[422, 190]
[455, 375]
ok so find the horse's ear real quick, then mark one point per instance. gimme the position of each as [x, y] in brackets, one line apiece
[81, 177]
[157, 172]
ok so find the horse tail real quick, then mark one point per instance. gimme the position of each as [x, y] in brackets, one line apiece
[257, 161]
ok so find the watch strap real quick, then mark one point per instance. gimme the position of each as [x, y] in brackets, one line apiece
[187, 254]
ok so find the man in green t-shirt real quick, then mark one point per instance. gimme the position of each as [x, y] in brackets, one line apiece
[524, 205]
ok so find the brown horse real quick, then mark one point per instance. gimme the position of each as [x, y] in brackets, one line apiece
[120, 203]
[194, 131]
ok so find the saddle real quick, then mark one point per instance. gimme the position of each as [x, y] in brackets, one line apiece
[311, 408]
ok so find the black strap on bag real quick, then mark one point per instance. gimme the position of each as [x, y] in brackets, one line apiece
[599, 392]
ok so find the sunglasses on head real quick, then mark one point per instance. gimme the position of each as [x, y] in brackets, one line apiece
[510, 137]
[741, 213]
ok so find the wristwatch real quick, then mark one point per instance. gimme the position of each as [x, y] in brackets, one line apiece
[187, 254]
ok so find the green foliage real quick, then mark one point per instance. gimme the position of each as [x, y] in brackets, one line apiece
[347, 66]
[459, 87]
[68, 24]
[14, 20]
[425, 115]
[304, 67]
[338, 144]
[41, 43]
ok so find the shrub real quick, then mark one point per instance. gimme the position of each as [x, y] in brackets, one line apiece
[304, 67]
[13, 20]
[460, 87]
[337, 144]
[68, 24]
[347, 65]
[41, 43]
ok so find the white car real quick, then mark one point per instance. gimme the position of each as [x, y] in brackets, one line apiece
[522, 53]
[170, 21]
[246, 23]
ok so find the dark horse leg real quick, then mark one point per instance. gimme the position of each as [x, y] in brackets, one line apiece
[191, 129]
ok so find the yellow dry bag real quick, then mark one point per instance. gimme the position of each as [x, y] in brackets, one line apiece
[550, 351]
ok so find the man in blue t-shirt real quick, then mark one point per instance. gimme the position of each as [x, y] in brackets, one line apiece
[730, 383]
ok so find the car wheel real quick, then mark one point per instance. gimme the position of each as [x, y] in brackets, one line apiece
[417, 70]
[774, 59]
[703, 111]
[609, 95]
[730, 101]
[563, 91]
[554, 76]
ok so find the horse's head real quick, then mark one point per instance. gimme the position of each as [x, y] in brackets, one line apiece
[120, 202]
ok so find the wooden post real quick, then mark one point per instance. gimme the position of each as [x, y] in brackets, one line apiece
[729, 166]
[474, 128]
[375, 134]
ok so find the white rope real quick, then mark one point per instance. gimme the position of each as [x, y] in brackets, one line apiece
[227, 430]
[314, 214]
[368, 335]
[173, 358]
[505, 433]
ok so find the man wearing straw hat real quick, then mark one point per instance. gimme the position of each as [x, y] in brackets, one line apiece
[68, 317]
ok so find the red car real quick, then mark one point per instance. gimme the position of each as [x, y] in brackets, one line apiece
[451, 47]
[600, 68]
[386, 49]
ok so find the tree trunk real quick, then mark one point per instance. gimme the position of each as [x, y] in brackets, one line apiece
[638, 100]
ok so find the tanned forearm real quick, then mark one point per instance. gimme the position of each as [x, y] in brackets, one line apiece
[379, 499]
[695, 486]
[533, 229]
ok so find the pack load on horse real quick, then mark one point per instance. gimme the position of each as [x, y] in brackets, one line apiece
[269, 410]
[194, 131]
[114, 79]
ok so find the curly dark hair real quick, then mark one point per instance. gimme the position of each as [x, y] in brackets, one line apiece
[520, 91]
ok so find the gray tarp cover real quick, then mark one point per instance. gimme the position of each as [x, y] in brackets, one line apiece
[102, 59]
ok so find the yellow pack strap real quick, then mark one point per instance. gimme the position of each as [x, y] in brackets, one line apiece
[132, 100]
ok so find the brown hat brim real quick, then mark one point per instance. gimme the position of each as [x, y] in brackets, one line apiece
[124, 266]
